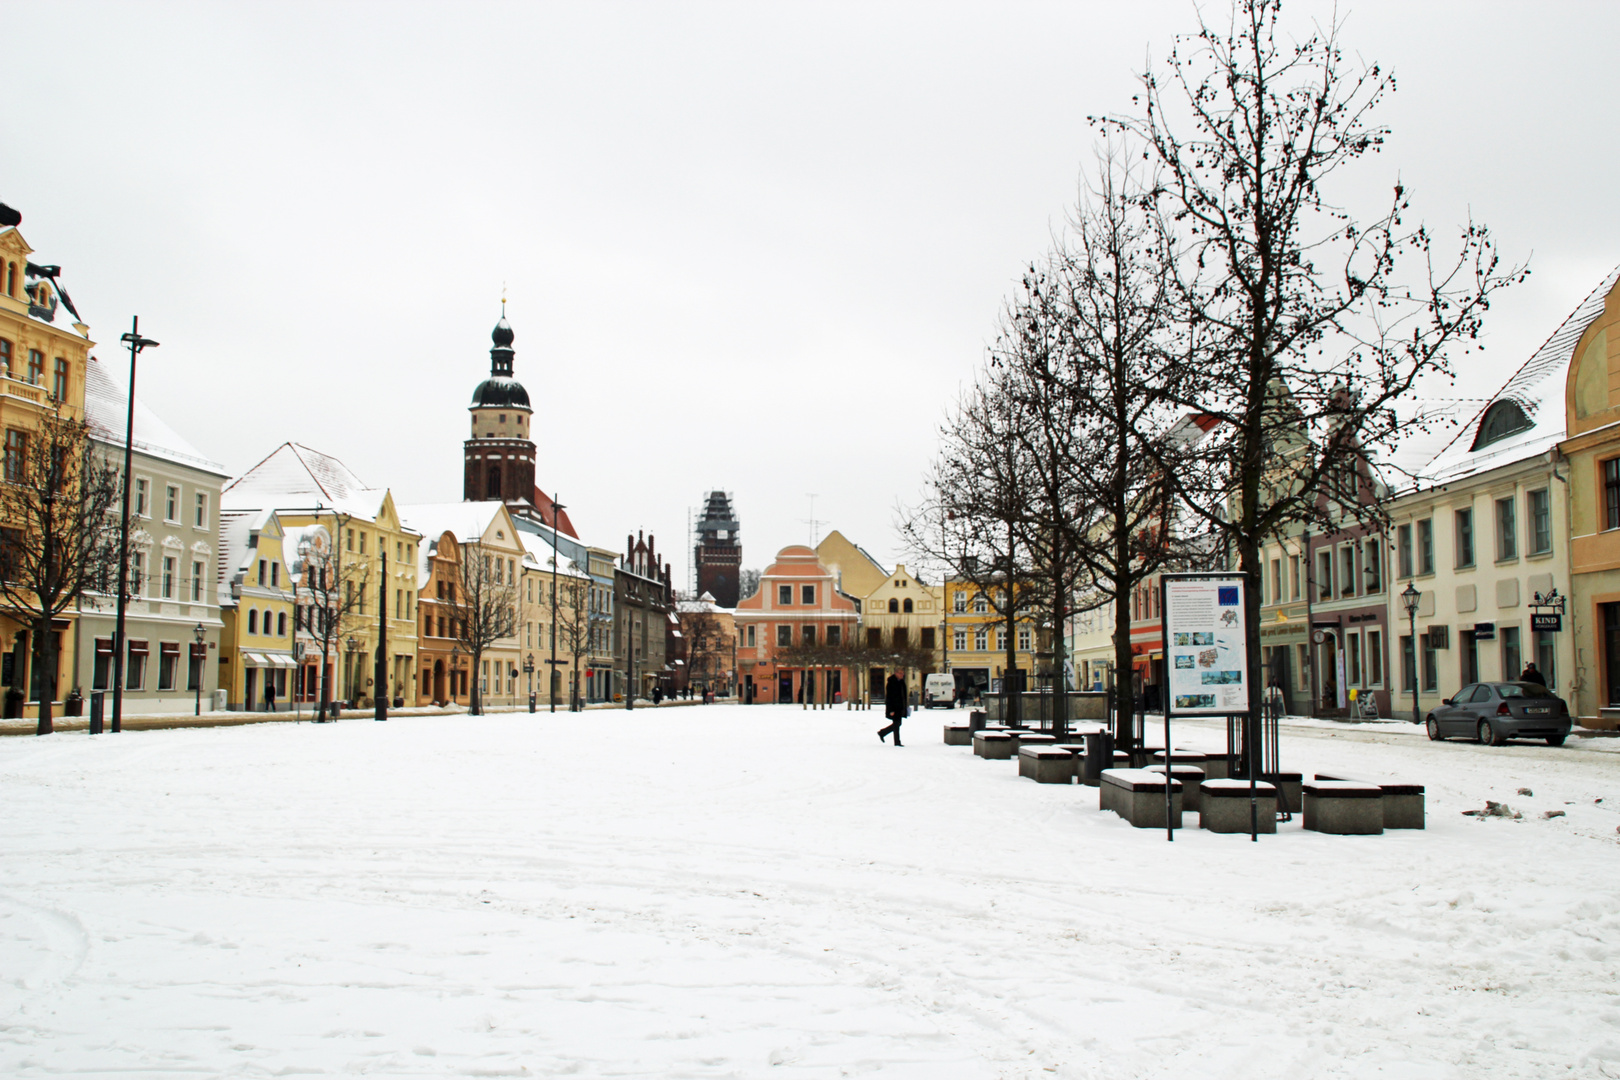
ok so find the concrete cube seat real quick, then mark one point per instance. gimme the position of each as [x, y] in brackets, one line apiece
[993, 744]
[958, 735]
[1403, 802]
[1344, 808]
[1138, 796]
[1223, 806]
[1046, 764]
[1182, 757]
[1033, 738]
[1288, 789]
[1217, 767]
[1189, 777]
[1077, 749]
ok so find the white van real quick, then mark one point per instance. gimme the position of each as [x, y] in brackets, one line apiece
[939, 690]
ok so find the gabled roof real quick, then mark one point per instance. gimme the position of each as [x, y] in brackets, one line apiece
[295, 476]
[106, 405]
[1538, 388]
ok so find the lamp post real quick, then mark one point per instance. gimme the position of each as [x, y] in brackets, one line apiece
[551, 691]
[354, 646]
[201, 634]
[136, 343]
[455, 664]
[528, 669]
[1409, 600]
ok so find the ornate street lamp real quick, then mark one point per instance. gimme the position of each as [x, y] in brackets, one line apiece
[528, 669]
[1410, 598]
[353, 644]
[136, 343]
[556, 508]
[201, 634]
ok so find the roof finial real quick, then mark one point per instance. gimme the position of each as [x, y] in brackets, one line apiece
[503, 299]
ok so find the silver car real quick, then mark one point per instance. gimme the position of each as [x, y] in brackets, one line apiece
[1494, 712]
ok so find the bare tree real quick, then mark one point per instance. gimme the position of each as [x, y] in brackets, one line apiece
[335, 589]
[573, 626]
[1306, 330]
[747, 584]
[973, 522]
[705, 638]
[483, 609]
[58, 503]
[1096, 350]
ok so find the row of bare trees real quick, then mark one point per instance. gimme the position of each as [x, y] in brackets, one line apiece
[1214, 352]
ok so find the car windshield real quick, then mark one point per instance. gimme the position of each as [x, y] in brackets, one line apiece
[1522, 689]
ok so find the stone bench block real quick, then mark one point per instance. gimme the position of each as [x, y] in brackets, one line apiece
[958, 735]
[1216, 767]
[1033, 738]
[1190, 777]
[1223, 806]
[996, 745]
[1182, 757]
[1344, 808]
[1404, 803]
[1138, 796]
[1046, 764]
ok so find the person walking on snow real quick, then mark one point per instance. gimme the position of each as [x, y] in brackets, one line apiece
[1530, 674]
[894, 706]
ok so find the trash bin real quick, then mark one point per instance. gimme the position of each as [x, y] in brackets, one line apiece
[532, 699]
[98, 700]
[976, 720]
[1099, 756]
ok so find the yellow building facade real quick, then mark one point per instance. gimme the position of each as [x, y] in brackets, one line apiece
[257, 611]
[975, 641]
[44, 347]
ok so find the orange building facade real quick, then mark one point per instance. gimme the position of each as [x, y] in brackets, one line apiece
[789, 633]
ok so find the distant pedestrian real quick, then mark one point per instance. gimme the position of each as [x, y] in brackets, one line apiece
[894, 706]
[1530, 674]
[269, 696]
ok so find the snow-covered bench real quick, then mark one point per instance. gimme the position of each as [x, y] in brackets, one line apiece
[1138, 796]
[1403, 802]
[1046, 764]
[1189, 777]
[1344, 807]
[958, 735]
[993, 744]
[1223, 806]
[1023, 738]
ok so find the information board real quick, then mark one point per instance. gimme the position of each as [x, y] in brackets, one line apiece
[1206, 652]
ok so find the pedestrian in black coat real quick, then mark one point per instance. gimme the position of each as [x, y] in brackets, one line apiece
[1530, 674]
[894, 706]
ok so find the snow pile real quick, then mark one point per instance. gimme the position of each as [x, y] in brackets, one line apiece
[732, 891]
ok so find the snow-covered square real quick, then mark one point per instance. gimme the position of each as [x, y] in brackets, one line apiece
[742, 892]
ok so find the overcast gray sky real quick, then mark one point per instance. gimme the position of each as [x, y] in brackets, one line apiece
[745, 245]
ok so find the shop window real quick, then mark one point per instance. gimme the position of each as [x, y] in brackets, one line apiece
[135, 666]
[168, 664]
[101, 674]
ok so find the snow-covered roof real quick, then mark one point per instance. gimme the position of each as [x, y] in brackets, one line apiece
[537, 552]
[106, 408]
[1537, 388]
[293, 475]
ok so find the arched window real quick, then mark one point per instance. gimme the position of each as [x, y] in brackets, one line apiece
[493, 488]
[253, 621]
[894, 606]
[11, 279]
[281, 624]
[906, 607]
[1502, 419]
[5, 357]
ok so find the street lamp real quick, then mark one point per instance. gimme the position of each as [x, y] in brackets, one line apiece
[1409, 600]
[556, 507]
[201, 634]
[354, 646]
[136, 343]
[528, 669]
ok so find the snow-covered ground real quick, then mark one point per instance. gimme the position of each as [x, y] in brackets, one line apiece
[747, 892]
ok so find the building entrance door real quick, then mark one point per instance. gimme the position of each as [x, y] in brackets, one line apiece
[1611, 652]
[784, 688]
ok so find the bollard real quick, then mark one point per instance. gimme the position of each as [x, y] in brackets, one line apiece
[98, 700]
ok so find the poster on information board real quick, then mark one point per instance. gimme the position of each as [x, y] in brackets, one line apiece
[1206, 657]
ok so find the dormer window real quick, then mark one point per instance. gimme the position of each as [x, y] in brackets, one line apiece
[1502, 419]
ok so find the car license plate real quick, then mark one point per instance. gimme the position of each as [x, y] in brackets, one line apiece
[1540, 710]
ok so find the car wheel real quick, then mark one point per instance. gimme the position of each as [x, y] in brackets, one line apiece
[1434, 729]
[1488, 735]
[1556, 740]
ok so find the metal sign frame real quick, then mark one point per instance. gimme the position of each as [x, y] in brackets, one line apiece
[1202, 614]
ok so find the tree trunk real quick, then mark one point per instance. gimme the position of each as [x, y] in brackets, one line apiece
[1249, 564]
[475, 700]
[1124, 680]
[43, 661]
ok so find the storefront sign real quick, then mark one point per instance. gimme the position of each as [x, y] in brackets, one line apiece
[1204, 639]
[1484, 631]
[1550, 623]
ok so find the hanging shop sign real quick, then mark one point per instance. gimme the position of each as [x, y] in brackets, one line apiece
[1551, 622]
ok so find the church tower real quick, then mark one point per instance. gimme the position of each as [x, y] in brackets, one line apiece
[718, 554]
[499, 455]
